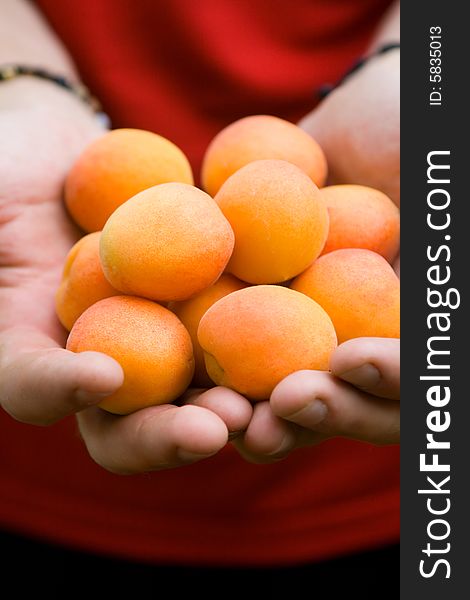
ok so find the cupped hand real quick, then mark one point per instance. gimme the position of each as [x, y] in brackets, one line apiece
[358, 127]
[40, 381]
[358, 399]
[165, 436]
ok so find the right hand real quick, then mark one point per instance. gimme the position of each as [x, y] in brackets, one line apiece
[41, 382]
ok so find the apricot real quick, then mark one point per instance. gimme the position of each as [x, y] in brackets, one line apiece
[358, 289]
[256, 336]
[361, 217]
[260, 137]
[279, 221]
[168, 242]
[148, 341]
[191, 311]
[117, 166]
[83, 281]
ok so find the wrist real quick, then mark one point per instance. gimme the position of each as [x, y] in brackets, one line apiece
[378, 55]
[48, 112]
[43, 129]
[29, 92]
[390, 55]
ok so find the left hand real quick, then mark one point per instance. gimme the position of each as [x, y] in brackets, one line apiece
[359, 399]
[358, 127]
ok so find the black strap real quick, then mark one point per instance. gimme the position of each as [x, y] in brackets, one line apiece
[325, 89]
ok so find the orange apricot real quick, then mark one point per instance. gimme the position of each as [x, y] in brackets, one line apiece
[168, 242]
[191, 311]
[83, 281]
[279, 221]
[148, 341]
[358, 289]
[361, 217]
[117, 166]
[256, 336]
[260, 137]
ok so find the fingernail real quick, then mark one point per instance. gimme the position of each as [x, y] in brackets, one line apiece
[310, 415]
[365, 376]
[187, 456]
[288, 442]
[90, 398]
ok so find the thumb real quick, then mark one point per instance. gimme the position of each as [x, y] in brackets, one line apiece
[42, 383]
[370, 364]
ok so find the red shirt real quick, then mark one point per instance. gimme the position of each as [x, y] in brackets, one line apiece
[184, 70]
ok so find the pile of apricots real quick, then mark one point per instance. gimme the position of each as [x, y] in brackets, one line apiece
[261, 272]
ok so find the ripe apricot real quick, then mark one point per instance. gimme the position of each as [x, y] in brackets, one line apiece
[361, 217]
[358, 289]
[148, 341]
[279, 221]
[117, 166]
[256, 336]
[83, 281]
[191, 311]
[260, 137]
[166, 243]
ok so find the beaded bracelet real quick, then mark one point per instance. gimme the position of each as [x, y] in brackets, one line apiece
[358, 64]
[11, 71]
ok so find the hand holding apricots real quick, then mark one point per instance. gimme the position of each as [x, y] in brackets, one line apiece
[357, 399]
[175, 289]
[41, 382]
[220, 264]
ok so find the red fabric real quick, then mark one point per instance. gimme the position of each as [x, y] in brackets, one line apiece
[185, 69]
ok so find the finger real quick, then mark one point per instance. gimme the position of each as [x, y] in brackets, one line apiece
[319, 401]
[268, 438]
[159, 437]
[42, 382]
[234, 410]
[370, 364]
